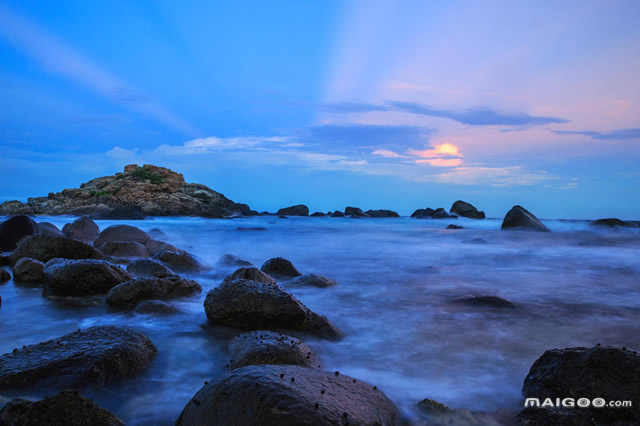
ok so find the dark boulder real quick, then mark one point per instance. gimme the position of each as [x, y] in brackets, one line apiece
[64, 277]
[256, 306]
[381, 213]
[124, 249]
[28, 270]
[441, 213]
[96, 356]
[612, 223]
[68, 408]
[337, 214]
[297, 210]
[484, 300]
[179, 261]
[288, 395]
[157, 307]
[464, 209]
[4, 276]
[251, 274]
[452, 226]
[231, 260]
[82, 229]
[122, 233]
[280, 267]
[154, 247]
[46, 247]
[120, 213]
[148, 268]
[423, 213]
[14, 229]
[49, 229]
[137, 290]
[520, 218]
[266, 347]
[313, 280]
[318, 214]
[354, 212]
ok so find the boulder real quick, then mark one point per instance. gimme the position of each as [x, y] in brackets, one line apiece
[607, 372]
[318, 214]
[255, 306]
[124, 249]
[464, 209]
[266, 347]
[452, 226]
[313, 280]
[297, 210]
[288, 395]
[28, 270]
[137, 290]
[441, 213]
[280, 267]
[4, 276]
[381, 213]
[422, 213]
[126, 233]
[64, 277]
[251, 274]
[97, 356]
[231, 260]
[522, 219]
[484, 300]
[354, 212]
[612, 223]
[68, 408]
[49, 229]
[82, 229]
[179, 261]
[46, 247]
[148, 268]
[155, 307]
[14, 229]
[154, 247]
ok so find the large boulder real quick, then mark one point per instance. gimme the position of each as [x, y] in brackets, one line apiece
[46, 247]
[148, 268]
[297, 210]
[96, 356]
[381, 213]
[65, 277]
[122, 233]
[354, 212]
[256, 306]
[280, 267]
[610, 373]
[266, 347]
[520, 218]
[68, 408]
[124, 249]
[464, 209]
[612, 223]
[251, 274]
[14, 229]
[134, 291]
[312, 280]
[83, 229]
[288, 395]
[179, 261]
[28, 270]
[49, 229]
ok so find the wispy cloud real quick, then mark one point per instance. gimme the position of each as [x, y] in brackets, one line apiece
[613, 134]
[354, 135]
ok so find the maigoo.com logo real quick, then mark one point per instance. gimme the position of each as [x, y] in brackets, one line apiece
[572, 402]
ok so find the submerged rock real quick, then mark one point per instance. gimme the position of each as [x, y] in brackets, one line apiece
[14, 229]
[96, 356]
[149, 268]
[64, 277]
[288, 395]
[179, 261]
[251, 274]
[231, 260]
[49, 229]
[134, 291]
[266, 347]
[124, 249]
[464, 209]
[83, 229]
[297, 210]
[520, 218]
[255, 306]
[613, 223]
[280, 267]
[485, 300]
[155, 307]
[381, 213]
[46, 247]
[28, 270]
[313, 280]
[126, 233]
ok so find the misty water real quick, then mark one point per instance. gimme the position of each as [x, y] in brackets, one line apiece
[576, 286]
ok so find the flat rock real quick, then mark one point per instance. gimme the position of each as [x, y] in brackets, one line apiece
[251, 274]
[65, 277]
[28, 270]
[179, 261]
[126, 233]
[14, 229]
[82, 229]
[313, 280]
[280, 267]
[266, 347]
[46, 247]
[149, 268]
[134, 291]
[520, 218]
[124, 249]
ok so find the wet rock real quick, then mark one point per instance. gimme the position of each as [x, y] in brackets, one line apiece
[179, 261]
[148, 268]
[452, 226]
[266, 347]
[280, 267]
[231, 260]
[126, 233]
[82, 229]
[422, 213]
[155, 307]
[68, 408]
[137, 290]
[298, 210]
[256, 306]
[318, 214]
[154, 247]
[49, 229]
[64, 277]
[354, 212]
[612, 223]
[288, 395]
[251, 274]
[4, 276]
[313, 280]
[484, 300]
[14, 229]
[520, 218]
[611, 373]
[46, 247]
[381, 213]
[337, 214]
[124, 249]
[464, 209]
[28, 270]
[97, 356]
[544, 416]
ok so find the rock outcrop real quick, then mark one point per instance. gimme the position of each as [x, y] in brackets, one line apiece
[148, 190]
[266, 347]
[297, 210]
[125, 233]
[520, 218]
[464, 209]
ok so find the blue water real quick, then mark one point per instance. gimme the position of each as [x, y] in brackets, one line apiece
[396, 280]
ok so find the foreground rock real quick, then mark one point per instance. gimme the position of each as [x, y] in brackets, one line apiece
[256, 306]
[484, 300]
[313, 280]
[64, 277]
[520, 218]
[464, 209]
[381, 213]
[134, 291]
[46, 247]
[68, 408]
[96, 356]
[613, 223]
[83, 229]
[599, 372]
[286, 396]
[148, 268]
[298, 210]
[251, 274]
[124, 249]
[126, 233]
[14, 229]
[266, 347]
[280, 267]
[28, 270]
[179, 261]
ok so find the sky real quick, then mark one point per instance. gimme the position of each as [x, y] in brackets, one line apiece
[395, 104]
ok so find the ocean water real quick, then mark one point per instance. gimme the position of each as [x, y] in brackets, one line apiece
[576, 286]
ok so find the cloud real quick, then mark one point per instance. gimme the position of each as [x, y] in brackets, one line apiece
[611, 135]
[366, 135]
[492, 176]
[387, 153]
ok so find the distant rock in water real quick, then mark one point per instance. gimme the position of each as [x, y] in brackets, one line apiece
[613, 223]
[297, 210]
[484, 300]
[318, 214]
[250, 273]
[14, 229]
[337, 214]
[280, 267]
[429, 213]
[381, 213]
[138, 192]
[452, 226]
[464, 209]
[354, 212]
[520, 218]
[232, 260]
[125, 233]
[420, 213]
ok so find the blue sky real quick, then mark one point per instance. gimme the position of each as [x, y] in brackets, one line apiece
[380, 104]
